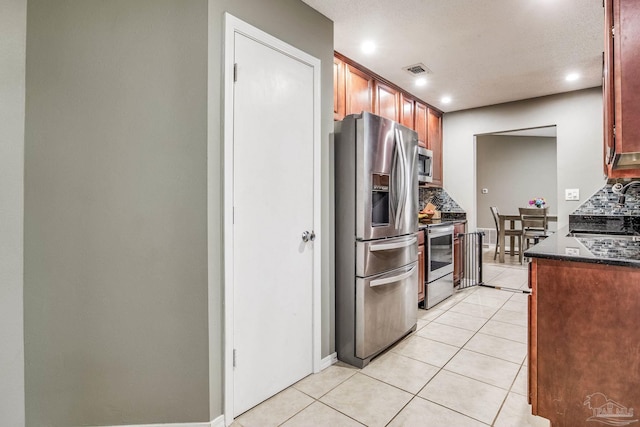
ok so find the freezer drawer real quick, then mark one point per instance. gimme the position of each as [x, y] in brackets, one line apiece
[377, 256]
[386, 309]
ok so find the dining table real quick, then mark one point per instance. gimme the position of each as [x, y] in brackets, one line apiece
[503, 218]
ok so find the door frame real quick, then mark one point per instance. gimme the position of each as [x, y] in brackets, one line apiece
[234, 25]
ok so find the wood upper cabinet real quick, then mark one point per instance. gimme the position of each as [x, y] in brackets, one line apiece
[338, 89]
[406, 111]
[434, 143]
[387, 102]
[621, 87]
[358, 90]
[421, 123]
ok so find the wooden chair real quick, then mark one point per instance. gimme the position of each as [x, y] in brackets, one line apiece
[511, 232]
[534, 225]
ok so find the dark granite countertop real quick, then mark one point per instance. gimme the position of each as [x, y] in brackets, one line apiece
[595, 248]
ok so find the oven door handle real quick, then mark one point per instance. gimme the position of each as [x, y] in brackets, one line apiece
[397, 278]
[388, 246]
[440, 231]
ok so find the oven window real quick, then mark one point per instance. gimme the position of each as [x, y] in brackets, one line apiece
[441, 251]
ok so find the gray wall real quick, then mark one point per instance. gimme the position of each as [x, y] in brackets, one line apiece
[122, 323]
[297, 24]
[13, 20]
[115, 212]
[514, 169]
[578, 119]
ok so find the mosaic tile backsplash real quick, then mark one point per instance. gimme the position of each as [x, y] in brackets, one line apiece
[605, 202]
[441, 199]
[602, 212]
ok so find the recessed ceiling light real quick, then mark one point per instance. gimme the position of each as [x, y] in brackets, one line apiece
[368, 47]
[572, 77]
[421, 81]
[446, 99]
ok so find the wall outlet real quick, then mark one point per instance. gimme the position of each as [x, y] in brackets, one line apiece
[572, 194]
[572, 251]
[485, 191]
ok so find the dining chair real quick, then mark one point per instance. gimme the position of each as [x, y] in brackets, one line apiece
[534, 225]
[511, 232]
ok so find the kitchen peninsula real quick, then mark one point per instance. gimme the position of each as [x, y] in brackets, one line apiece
[584, 339]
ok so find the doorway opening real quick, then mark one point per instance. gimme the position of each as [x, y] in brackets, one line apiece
[512, 168]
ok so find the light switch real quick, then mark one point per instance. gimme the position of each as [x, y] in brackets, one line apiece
[485, 191]
[572, 194]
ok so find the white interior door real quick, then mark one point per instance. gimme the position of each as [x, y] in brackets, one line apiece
[273, 202]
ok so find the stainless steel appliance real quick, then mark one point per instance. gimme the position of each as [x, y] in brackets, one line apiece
[425, 165]
[376, 212]
[439, 264]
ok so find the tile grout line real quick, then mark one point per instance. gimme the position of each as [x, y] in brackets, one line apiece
[440, 369]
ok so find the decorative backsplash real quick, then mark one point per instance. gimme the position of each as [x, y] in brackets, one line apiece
[605, 202]
[440, 198]
[612, 248]
[602, 212]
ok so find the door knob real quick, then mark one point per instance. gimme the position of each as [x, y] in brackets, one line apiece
[306, 236]
[312, 237]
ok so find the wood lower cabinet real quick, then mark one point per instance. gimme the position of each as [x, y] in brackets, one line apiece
[584, 342]
[621, 88]
[458, 262]
[421, 266]
[434, 143]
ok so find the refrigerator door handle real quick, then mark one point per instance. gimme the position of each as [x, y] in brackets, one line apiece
[388, 246]
[392, 279]
[402, 200]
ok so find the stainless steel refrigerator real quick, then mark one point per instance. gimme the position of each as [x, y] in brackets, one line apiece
[376, 195]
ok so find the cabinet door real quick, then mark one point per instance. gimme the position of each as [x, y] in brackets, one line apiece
[406, 111]
[623, 44]
[434, 143]
[338, 89]
[607, 87]
[626, 15]
[420, 122]
[358, 91]
[387, 100]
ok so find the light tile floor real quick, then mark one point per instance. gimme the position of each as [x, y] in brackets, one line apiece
[465, 365]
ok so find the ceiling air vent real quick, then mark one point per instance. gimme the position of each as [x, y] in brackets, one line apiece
[417, 69]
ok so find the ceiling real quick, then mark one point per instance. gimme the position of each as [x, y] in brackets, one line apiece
[480, 52]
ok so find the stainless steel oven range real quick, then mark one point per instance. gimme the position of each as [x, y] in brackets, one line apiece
[439, 264]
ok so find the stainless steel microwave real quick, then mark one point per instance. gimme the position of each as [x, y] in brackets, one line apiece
[425, 165]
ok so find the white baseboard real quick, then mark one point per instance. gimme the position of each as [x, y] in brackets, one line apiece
[218, 422]
[328, 361]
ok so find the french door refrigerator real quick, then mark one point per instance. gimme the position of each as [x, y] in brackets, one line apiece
[376, 208]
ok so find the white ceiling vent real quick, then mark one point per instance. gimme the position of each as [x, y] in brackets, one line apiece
[417, 69]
